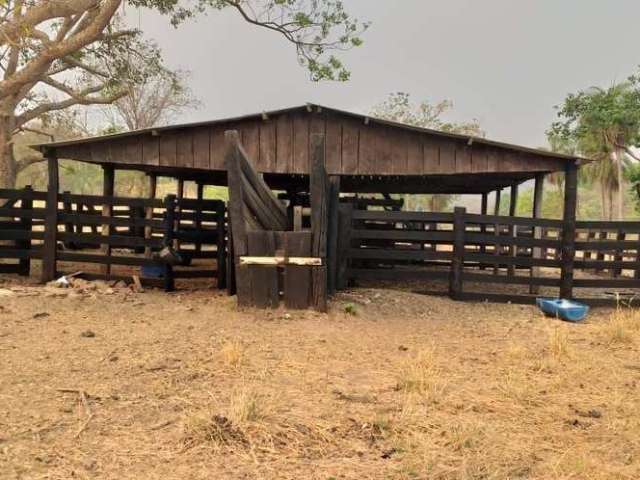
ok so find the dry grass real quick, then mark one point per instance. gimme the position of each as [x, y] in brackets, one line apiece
[411, 387]
[232, 353]
[423, 375]
[622, 327]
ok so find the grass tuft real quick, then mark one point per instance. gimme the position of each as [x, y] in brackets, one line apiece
[232, 353]
[423, 375]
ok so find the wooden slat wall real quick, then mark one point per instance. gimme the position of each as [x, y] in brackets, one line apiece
[280, 144]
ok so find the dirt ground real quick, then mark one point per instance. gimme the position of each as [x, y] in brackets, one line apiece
[389, 385]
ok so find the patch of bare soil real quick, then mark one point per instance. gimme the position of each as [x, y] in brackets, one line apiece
[112, 383]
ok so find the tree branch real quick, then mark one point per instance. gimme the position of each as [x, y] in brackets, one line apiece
[28, 160]
[76, 100]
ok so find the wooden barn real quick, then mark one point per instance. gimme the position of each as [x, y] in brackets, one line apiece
[311, 210]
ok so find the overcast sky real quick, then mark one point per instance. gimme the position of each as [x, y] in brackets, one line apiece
[503, 62]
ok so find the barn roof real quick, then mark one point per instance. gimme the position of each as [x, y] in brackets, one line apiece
[371, 154]
[307, 106]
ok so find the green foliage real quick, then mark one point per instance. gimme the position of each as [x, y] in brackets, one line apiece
[314, 27]
[350, 309]
[603, 124]
[597, 120]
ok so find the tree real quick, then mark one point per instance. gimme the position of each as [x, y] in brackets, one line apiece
[156, 101]
[57, 54]
[398, 107]
[604, 124]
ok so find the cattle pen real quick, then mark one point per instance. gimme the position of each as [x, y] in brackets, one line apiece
[314, 206]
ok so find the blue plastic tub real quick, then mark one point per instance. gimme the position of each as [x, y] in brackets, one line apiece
[152, 271]
[567, 310]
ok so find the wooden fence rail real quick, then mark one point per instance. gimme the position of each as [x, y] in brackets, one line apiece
[127, 232]
[468, 253]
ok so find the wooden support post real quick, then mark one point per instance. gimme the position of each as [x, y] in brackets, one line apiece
[332, 245]
[169, 237]
[484, 207]
[180, 197]
[536, 252]
[297, 279]
[319, 220]
[108, 187]
[50, 246]
[264, 279]
[237, 224]
[457, 260]
[222, 246]
[26, 223]
[230, 264]
[345, 213]
[198, 217]
[497, 247]
[619, 253]
[569, 230]
[513, 230]
[148, 214]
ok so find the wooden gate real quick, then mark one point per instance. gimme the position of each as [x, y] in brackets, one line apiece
[271, 260]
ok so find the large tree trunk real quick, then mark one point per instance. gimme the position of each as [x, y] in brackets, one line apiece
[618, 156]
[8, 172]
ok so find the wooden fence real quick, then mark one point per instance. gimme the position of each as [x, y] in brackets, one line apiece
[112, 231]
[20, 240]
[487, 257]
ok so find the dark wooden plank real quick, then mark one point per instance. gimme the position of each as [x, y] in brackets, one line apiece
[396, 255]
[268, 143]
[221, 248]
[201, 148]
[345, 215]
[240, 283]
[463, 158]
[414, 154]
[497, 298]
[333, 143]
[168, 148]
[538, 191]
[399, 217]
[510, 279]
[569, 230]
[264, 279]
[350, 146]
[217, 148]
[513, 229]
[184, 149]
[250, 134]
[18, 194]
[430, 156]
[79, 219]
[367, 150]
[384, 151]
[108, 187]
[301, 143]
[319, 191]
[93, 200]
[66, 256]
[284, 144]
[26, 224]
[606, 283]
[447, 157]
[457, 259]
[397, 274]
[50, 247]
[168, 240]
[297, 279]
[332, 235]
